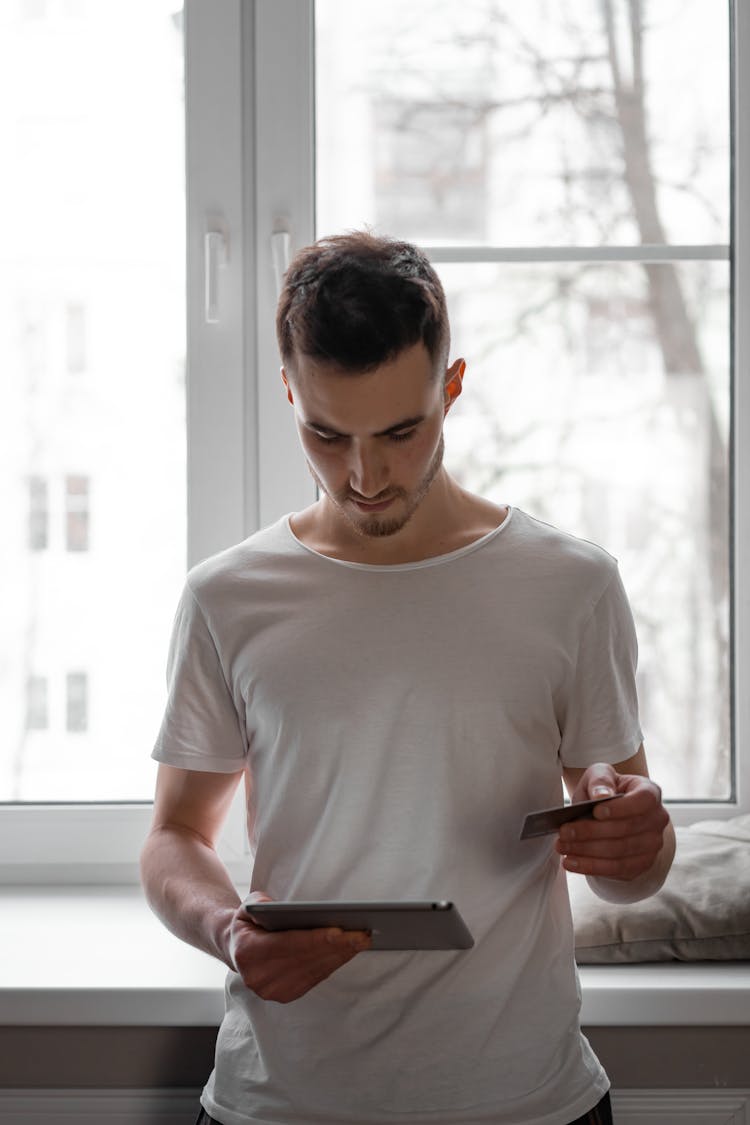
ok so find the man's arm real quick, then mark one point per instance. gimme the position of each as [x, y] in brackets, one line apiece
[190, 890]
[626, 851]
[186, 884]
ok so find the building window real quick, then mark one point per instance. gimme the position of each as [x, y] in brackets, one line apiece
[430, 169]
[38, 514]
[75, 338]
[77, 702]
[37, 703]
[77, 513]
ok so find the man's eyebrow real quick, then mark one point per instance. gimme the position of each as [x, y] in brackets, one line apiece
[405, 424]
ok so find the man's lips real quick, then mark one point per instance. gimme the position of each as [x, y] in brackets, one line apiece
[373, 506]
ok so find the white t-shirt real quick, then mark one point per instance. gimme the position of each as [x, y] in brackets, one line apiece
[397, 723]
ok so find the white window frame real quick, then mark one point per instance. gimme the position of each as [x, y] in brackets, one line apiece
[250, 203]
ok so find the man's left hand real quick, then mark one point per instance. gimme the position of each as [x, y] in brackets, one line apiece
[625, 837]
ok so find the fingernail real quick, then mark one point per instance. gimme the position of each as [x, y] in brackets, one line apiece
[602, 791]
[571, 862]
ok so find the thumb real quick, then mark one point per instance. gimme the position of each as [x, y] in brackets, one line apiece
[601, 781]
[258, 896]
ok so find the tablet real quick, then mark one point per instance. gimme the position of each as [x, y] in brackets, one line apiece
[393, 925]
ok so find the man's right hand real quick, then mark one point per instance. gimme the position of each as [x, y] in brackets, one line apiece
[285, 964]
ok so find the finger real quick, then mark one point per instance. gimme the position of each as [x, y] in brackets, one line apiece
[302, 946]
[639, 796]
[647, 843]
[655, 820]
[624, 869]
[601, 781]
[325, 938]
[283, 977]
[283, 982]
[258, 896]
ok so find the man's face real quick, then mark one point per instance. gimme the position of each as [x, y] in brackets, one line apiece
[374, 442]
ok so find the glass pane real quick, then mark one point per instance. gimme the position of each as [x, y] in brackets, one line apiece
[506, 123]
[92, 395]
[596, 398]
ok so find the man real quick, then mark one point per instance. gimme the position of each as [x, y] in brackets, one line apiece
[400, 672]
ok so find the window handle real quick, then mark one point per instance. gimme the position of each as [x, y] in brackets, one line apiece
[215, 258]
[280, 241]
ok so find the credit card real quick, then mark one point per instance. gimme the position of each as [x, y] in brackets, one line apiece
[544, 821]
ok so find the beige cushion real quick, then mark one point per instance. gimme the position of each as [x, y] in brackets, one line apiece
[702, 913]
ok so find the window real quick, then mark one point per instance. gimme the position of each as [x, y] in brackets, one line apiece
[593, 297]
[430, 165]
[588, 322]
[92, 400]
[589, 289]
[38, 514]
[37, 714]
[75, 325]
[77, 685]
[77, 513]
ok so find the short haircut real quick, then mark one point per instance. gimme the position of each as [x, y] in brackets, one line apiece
[357, 300]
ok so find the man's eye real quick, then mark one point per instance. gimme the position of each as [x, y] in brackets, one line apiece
[403, 435]
[327, 439]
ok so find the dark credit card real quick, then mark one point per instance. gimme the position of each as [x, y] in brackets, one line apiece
[545, 821]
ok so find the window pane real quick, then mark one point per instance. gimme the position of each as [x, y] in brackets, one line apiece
[580, 407]
[76, 338]
[77, 513]
[524, 123]
[37, 716]
[38, 514]
[596, 397]
[77, 685]
[92, 399]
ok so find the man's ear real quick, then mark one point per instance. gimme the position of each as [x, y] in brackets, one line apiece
[453, 383]
[285, 381]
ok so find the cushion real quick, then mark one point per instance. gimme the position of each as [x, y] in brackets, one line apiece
[702, 913]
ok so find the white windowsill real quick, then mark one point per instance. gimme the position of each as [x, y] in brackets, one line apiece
[83, 956]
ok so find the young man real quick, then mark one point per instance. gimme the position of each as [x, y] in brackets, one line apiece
[399, 673]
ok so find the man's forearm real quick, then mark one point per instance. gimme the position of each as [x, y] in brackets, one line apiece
[643, 886]
[189, 889]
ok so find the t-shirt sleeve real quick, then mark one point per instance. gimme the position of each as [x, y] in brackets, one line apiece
[600, 720]
[201, 728]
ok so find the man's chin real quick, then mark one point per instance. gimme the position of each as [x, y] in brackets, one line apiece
[369, 525]
[375, 526]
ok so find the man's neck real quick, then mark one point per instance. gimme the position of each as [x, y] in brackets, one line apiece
[448, 519]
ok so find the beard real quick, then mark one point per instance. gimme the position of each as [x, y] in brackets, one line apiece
[376, 525]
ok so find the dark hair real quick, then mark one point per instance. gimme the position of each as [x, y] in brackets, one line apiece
[357, 300]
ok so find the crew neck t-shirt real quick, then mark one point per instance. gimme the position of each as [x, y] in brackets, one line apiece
[397, 723]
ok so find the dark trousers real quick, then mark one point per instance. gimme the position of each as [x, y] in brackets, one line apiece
[601, 1114]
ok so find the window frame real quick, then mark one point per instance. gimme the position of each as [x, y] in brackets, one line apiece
[249, 80]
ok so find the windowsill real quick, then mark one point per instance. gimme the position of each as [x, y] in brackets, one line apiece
[84, 956]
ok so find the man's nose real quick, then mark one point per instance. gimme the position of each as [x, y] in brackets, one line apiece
[367, 471]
